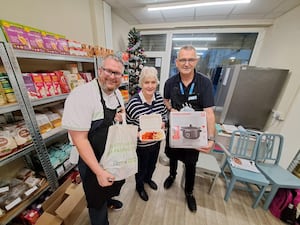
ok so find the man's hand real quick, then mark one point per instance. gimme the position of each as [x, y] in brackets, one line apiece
[105, 179]
[208, 148]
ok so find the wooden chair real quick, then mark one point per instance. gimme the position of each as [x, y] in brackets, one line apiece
[243, 144]
[269, 151]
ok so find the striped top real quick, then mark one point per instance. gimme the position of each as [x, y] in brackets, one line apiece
[137, 106]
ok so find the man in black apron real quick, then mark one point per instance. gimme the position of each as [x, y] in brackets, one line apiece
[89, 111]
[188, 89]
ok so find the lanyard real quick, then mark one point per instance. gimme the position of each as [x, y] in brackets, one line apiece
[190, 91]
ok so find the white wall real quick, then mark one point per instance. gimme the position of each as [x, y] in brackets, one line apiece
[72, 18]
[120, 33]
[280, 49]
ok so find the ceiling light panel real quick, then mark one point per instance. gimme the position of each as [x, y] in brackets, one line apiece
[192, 4]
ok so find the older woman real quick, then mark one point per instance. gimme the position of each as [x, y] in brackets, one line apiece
[147, 101]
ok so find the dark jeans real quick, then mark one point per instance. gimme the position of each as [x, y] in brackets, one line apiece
[147, 158]
[99, 216]
[190, 171]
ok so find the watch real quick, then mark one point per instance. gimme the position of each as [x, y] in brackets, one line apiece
[211, 139]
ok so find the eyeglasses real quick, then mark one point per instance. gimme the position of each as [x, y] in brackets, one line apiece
[108, 72]
[183, 61]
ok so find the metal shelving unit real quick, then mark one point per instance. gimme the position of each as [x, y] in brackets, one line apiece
[12, 60]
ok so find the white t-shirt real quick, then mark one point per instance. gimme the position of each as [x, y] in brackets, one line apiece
[83, 106]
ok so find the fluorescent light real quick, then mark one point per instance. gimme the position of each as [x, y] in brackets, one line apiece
[197, 48]
[190, 4]
[195, 39]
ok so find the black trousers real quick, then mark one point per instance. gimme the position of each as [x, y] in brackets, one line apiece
[147, 158]
[190, 171]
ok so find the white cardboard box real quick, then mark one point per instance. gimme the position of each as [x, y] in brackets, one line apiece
[188, 129]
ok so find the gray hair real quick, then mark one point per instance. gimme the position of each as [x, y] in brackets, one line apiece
[113, 57]
[148, 72]
[187, 47]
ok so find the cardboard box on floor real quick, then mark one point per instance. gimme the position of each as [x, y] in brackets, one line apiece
[64, 206]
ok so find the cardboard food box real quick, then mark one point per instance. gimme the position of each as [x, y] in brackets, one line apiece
[151, 128]
[39, 85]
[64, 206]
[188, 129]
[50, 42]
[35, 39]
[15, 34]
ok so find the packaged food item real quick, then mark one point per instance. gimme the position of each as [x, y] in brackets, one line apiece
[8, 90]
[7, 143]
[20, 133]
[24, 173]
[55, 82]
[3, 99]
[62, 82]
[86, 76]
[31, 91]
[62, 44]
[15, 34]
[39, 84]
[43, 123]
[48, 84]
[74, 80]
[54, 118]
[50, 42]
[35, 39]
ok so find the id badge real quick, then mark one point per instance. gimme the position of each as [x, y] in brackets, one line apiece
[192, 97]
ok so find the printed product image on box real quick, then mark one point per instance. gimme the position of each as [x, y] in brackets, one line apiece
[188, 129]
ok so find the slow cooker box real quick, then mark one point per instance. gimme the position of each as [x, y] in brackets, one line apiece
[188, 129]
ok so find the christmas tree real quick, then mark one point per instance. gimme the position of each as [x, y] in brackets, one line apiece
[136, 60]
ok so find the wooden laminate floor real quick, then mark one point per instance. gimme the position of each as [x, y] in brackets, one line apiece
[168, 207]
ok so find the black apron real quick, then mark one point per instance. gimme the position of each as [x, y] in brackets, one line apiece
[95, 194]
[181, 96]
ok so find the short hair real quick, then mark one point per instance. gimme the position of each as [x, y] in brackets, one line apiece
[148, 72]
[187, 47]
[113, 57]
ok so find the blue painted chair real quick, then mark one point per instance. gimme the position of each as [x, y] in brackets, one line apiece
[243, 144]
[269, 151]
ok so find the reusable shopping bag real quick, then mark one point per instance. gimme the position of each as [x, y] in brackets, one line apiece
[119, 157]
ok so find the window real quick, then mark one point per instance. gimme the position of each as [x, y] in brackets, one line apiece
[215, 49]
[154, 42]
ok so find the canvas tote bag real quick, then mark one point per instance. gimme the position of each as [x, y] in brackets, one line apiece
[119, 157]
